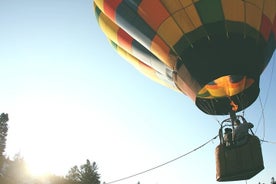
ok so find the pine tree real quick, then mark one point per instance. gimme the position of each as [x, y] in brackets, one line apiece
[3, 134]
[86, 174]
[89, 174]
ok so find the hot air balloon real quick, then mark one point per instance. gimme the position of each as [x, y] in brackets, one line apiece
[213, 51]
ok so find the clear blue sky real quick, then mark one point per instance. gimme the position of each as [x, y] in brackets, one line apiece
[71, 97]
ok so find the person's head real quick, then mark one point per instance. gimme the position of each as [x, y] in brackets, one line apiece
[227, 130]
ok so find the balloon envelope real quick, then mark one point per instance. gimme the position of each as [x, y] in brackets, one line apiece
[214, 51]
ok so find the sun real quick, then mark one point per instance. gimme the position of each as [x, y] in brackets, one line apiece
[37, 168]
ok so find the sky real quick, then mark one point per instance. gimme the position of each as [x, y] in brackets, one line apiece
[71, 97]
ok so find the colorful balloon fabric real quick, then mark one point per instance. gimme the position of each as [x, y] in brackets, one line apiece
[213, 51]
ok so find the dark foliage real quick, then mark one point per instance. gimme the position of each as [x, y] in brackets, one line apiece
[85, 174]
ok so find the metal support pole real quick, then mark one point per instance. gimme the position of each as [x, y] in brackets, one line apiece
[233, 117]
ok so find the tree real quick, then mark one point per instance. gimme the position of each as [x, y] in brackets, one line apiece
[89, 174]
[273, 181]
[86, 174]
[3, 134]
[73, 175]
[15, 171]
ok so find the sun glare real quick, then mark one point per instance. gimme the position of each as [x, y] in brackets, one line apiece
[37, 168]
[48, 136]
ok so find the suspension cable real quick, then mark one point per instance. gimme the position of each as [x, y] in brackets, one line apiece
[270, 80]
[163, 164]
[265, 101]
[261, 118]
[270, 142]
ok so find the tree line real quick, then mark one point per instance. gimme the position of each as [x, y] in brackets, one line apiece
[14, 171]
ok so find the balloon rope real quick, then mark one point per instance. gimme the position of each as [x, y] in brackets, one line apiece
[271, 142]
[270, 79]
[170, 161]
[266, 96]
